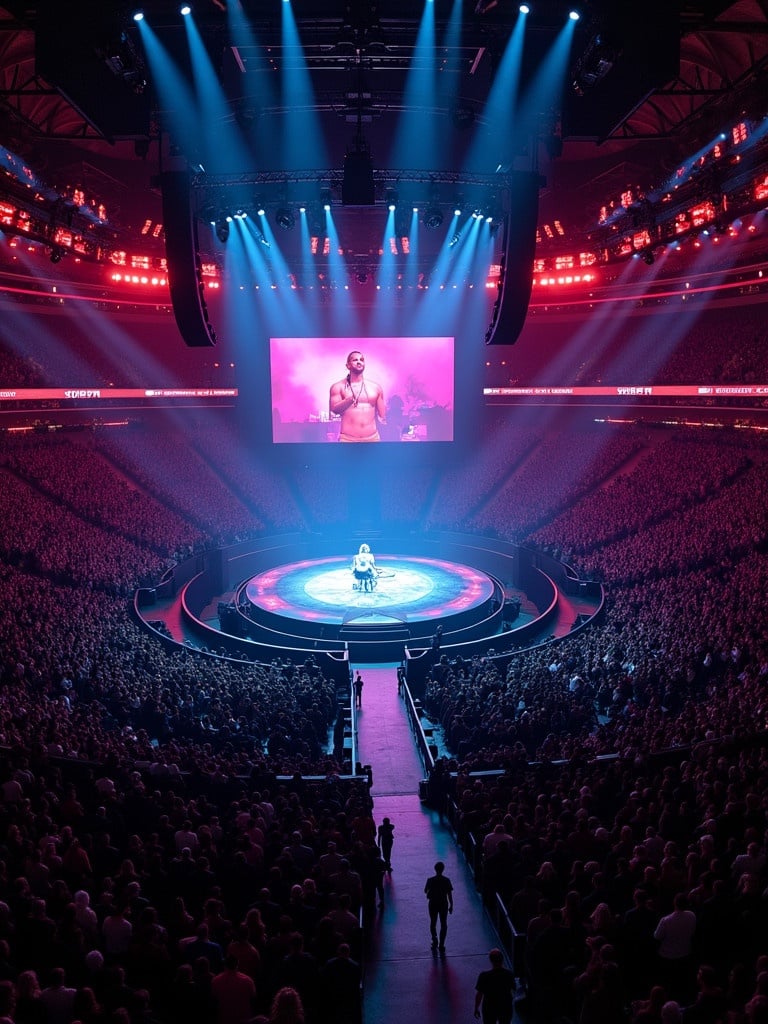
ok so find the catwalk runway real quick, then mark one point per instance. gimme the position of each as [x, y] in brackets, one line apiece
[322, 590]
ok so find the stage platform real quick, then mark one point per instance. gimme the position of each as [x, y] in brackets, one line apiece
[282, 595]
[319, 599]
[325, 591]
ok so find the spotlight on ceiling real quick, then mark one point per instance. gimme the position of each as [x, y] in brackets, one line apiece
[361, 276]
[185, 9]
[284, 218]
[138, 15]
[648, 258]
[433, 217]
[325, 198]
[574, 15]
[524, 9]
[222, 231]
[56, 255]
[390, 199]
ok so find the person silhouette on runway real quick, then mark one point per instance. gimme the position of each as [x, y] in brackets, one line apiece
[439, 892]
[385, 840]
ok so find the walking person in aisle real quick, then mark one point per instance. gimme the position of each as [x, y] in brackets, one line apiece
[493, 991]
[358, 688]
[385, 838]
[439, 893]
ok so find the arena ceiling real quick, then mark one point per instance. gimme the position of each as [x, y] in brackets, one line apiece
[591, 144]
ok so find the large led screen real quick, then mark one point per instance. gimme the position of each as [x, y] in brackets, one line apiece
[353, 390]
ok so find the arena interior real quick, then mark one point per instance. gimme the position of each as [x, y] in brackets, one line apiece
[520, 252]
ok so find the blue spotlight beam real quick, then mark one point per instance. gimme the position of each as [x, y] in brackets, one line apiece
[450, 77]
[302, 140]
[412, 260]
[545, 92]
[178, 109]
[415, 143]
[223, 146]
[387, 277]
[493, 144]
[449, 281]
[344, 315]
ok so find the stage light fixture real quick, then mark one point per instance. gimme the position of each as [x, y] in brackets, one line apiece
[138, 16]
[433, 217]
[390, 198]
[222, 231]
[185, 9]
[56, 255]
[260, 211]
[325, 198]
[574, 15]
[361, 277]
[284, 218]
[648, 258]
[524, 9]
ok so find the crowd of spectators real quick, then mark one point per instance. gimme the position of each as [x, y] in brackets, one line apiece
[638, 499]
[127, 897]
[86, 484]
[38, 534]
[165, 464]
[262, 489]
[629, 819]
[151, 866]
[647, 730]
[563, 466]
[454, 501]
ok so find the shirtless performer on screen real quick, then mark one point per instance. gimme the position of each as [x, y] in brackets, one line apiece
[358, 401]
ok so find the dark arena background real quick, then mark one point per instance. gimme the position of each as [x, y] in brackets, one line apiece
[383, 484]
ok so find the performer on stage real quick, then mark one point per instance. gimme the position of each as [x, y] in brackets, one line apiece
[364, 568]
[358, 401]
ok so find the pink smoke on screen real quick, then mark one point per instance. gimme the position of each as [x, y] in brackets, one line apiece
[418, 370]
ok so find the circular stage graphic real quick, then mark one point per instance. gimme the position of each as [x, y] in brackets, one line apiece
[324, 590]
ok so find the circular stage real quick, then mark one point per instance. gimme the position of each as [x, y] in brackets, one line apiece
[324, 590]
[290, 593]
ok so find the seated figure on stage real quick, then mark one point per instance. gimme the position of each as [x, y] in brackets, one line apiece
[364, 569]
